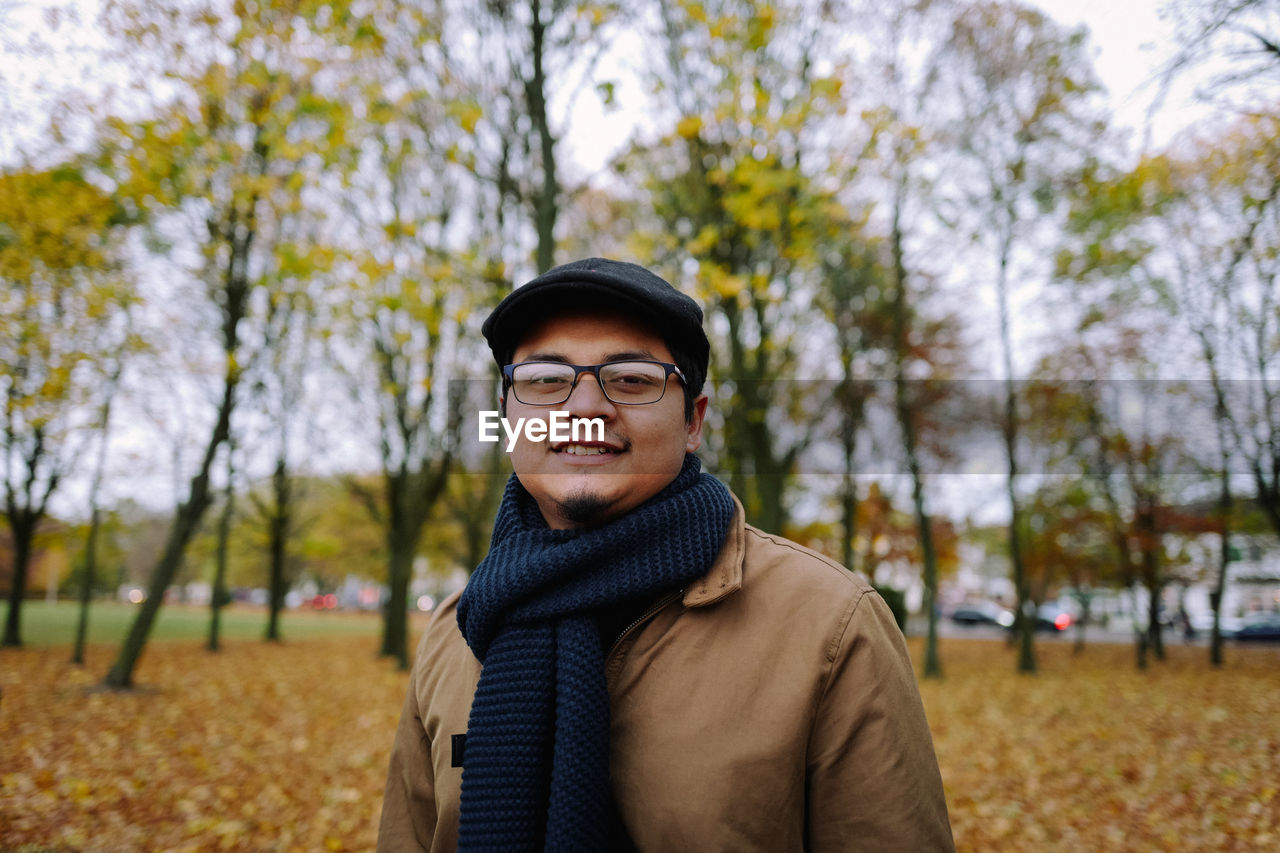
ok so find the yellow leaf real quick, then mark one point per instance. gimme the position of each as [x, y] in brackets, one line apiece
[689, 127]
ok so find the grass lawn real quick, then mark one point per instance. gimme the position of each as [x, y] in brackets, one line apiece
[269, 747]
[45, 624]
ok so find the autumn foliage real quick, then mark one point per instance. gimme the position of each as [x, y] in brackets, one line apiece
[1093, 754]
[261, 747]
[267, 747]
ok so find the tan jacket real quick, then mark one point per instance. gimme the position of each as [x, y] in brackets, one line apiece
[771, 708]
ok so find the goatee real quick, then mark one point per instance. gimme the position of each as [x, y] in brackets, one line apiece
[584, 508]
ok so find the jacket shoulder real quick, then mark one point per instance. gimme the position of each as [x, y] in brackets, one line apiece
[444, 616]
[801, 564]
[811, 589]
[441, 639]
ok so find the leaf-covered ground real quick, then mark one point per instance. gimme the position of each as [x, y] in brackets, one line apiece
[284, 748]
[259, 747]
[1091, 754]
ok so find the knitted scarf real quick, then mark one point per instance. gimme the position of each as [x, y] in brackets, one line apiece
[536, 768]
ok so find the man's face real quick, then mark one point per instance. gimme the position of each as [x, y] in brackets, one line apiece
[575, 485]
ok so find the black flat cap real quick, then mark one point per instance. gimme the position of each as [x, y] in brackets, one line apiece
[596, 282]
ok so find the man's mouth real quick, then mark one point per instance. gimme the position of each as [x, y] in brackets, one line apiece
[575, 449]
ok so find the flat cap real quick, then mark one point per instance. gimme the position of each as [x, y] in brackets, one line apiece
[599, 281]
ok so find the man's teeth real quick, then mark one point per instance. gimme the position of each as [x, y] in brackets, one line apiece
[580, 450]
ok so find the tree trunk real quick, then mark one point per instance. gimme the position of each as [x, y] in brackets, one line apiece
[410, 497]
[477, 518]
[1119, 526]
[402, 541]
[851, 399]
[1085, 602]
[906, 419]
[1154, 629]
[1148, 536]
[184, 526]
[1025, 623]
[23, 530]
[219, 598]
[1140, 640]
[1026, 617]
[547, 201]
[848, 500]
[278, 534]
[932, 662]
[1225, 504]
[95, 522]
[1224, 562]
[86, 587]
[924, 527]
[757, 474]
[772, 514]
[187, 518]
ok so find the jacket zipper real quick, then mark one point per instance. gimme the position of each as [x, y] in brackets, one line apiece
[644, 617]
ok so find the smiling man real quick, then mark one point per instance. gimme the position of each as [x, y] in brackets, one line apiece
[633, 666]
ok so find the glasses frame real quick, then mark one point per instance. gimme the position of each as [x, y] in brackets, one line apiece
[508, 373]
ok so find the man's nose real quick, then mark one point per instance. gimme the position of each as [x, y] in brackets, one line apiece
[587, 399]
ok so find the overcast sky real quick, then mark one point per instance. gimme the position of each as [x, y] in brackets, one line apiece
[1130, 41]
[1129, 36]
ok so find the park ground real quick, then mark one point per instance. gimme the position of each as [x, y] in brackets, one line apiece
[268, 746]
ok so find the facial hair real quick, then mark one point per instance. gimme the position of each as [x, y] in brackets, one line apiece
[584, 508]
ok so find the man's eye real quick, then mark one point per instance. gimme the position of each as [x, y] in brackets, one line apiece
[632, 379]
[549, 379]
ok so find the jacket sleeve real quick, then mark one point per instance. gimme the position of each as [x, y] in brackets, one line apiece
[408, 803]
[873, 777]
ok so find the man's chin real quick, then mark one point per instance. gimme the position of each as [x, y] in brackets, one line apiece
[586, 508]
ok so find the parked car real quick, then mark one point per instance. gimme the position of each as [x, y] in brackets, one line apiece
[1261, 628]
[1050, 617]
[1202, 621]
[982, 613]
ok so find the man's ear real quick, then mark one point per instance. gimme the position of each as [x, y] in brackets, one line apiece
[694, 425]
[502, 406]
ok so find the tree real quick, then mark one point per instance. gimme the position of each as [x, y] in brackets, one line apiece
[62, 323]
[854, 278]
[1018, 96]
[1238, 39]
[1220, 277]
[1192, 235]
[289, 352]
[407, 322]
[1077, 531]
[227, 151]
[475, 490]
[90, 564]
[542, 56]
[219, 596]
[734, 204]
[404, 274]
[1118, 452]
[921, 351]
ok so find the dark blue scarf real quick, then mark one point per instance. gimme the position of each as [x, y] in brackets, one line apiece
[536, 770]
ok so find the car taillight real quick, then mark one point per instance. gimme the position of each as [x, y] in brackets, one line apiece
[1063, 620]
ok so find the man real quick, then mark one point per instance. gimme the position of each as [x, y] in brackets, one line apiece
[632, 666]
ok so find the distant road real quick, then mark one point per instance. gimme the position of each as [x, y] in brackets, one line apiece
[1093, 633]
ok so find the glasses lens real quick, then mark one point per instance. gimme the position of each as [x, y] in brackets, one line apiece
[542, 383]
[633, 382]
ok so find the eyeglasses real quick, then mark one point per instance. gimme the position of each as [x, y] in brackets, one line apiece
[628, 383]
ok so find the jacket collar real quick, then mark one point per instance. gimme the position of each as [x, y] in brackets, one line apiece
[725, 575]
